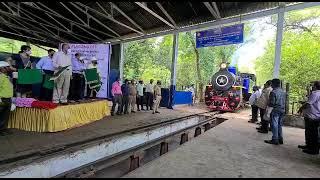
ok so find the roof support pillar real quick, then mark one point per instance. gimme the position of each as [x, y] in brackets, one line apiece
[121, 62]
[277, 60]
[175, 45]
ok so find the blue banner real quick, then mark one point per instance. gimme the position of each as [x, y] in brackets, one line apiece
[220, 36]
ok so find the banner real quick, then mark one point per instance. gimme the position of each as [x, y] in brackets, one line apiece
[220, 36]
[102, 53]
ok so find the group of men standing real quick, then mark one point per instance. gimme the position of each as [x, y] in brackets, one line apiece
[129, 94]
[69, 85]
[271, 104]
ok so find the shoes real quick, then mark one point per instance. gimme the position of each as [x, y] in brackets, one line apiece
[258, 128]
[271, 142]
[157, 112]
[280, 141]
[153, 113]
[251, 121]
[112, 114]
[142, 109]
[138, 110]
[303, 146]
[309, 151]
[262, 131]
[64, 103]
[133, 111]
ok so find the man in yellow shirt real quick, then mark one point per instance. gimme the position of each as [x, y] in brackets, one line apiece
[157, 97]
[6, 93]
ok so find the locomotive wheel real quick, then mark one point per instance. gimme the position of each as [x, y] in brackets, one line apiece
[223, 80]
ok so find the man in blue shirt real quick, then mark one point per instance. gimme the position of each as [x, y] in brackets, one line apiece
[46, 65]
[125, 96]
[78, 81]
[277, 101]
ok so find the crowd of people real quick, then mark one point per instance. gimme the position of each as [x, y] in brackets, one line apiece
[130, 95]
[69, 86]
[271, 103]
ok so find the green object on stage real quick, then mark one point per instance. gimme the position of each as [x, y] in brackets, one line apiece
[91, 75]
[29, 76]
[49, 84]
[57, 74]
[93, 79]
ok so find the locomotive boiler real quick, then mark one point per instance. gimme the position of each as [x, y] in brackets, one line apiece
[228, 90]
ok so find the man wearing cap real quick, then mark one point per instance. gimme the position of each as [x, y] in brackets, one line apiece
[6, 93]
[46, 66]
[77, 82]
[62, 83]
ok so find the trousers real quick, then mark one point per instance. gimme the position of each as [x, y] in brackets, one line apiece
[5, 107]
[61, 87]
[117, 99]
[132, 102]
[156, 103]
[276, 125]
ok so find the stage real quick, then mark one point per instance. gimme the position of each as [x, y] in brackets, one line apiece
[60, 118]
[22, 145]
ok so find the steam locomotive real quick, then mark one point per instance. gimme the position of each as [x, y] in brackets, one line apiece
[229, 90]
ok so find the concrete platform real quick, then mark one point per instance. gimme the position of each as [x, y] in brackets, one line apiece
[21, 144]
[234, 149]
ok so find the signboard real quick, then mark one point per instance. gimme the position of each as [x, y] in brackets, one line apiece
[102, 53]
[220, 36]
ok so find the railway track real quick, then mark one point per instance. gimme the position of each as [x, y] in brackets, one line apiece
[113, 155]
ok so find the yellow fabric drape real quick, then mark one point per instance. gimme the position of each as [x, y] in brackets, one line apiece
[58, 119]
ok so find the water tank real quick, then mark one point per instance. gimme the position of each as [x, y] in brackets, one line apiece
[232, 70]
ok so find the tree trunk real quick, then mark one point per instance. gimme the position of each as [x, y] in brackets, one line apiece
[200, 83]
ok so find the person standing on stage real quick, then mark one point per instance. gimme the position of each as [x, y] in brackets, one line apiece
[132, 96]
[116, 97]
[46, 66]
[6, 93]
[77, 82]
[149, 94]
[62, 59]
[157, 97]
[125, 96]
[23, 61]
[140, 95]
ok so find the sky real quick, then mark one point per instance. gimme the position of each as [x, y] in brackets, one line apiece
[248, 53]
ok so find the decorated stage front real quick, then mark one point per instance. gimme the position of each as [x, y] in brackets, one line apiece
[60, 118]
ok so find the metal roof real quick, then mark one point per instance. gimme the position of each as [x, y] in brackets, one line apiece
[49, 22]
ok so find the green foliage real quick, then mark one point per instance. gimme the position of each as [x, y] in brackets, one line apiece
[13, 46]
[300, 54]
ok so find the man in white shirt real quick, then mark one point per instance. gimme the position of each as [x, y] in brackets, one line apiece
[149, 94]
[62, 59]
[46, 65]
[253, 100]
[140, 95]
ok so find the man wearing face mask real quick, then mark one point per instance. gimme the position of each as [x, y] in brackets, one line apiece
[46, 66]
[23, 61]
[77, 82]
[61, 88]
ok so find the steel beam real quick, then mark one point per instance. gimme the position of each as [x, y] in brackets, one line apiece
[209, 7]
[126, 16]
[70, 21]
[167, 14]
[277, 60]
[121, 62]
[214, 4]
[96, 20]
[99, 39]
[217, 23]
[154, 14]
[74, 14]
[109, 17]
[1, 30]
